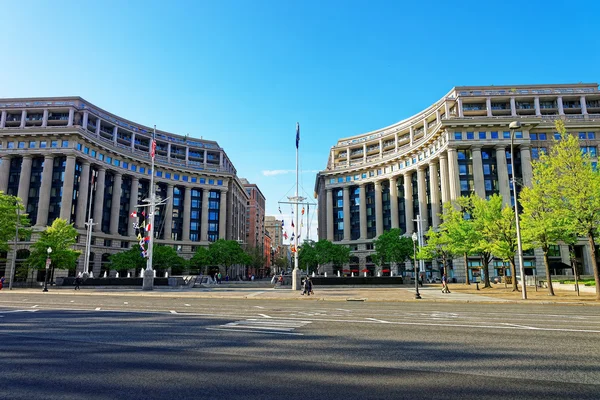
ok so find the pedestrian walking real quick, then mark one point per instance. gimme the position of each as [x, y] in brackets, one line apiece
[1, 282]
[445, 284]
[219, 277]
[77, 282]
[307, 287]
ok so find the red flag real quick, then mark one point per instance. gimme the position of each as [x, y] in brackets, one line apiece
[133, 214]
[302, 210]
[292, 224]
[153, 148]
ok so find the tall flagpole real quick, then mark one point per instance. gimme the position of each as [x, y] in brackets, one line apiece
[296, 273]
[148, 283]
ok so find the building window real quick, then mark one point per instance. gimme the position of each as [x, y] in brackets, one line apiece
[457, 135]
[194, 179]
[167, 175]
[125, 165]
[32, 145]
[65, 143]
[494, 135]
[100, 156]
[94, 153]
[542, 136]
[506, 134]
[591, 135]
[142, 170]
[10, 145]
[133, 167]
[86, 150]
[211, 181]
[533, 136]
[470, 135]
[159, 174]
[220, 182]
[22, 145]
[54, 143]
[482, 135]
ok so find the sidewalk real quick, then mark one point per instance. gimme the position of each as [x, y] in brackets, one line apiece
[404, 293]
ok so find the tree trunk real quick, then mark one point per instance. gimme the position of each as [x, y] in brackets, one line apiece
[594, 263]
[513, 272]
[466, 268]
[548, 274]
[486, 262]
[574, 266]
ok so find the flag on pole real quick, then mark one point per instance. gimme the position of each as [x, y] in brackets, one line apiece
[133, 214]
[297, 134]
[153, 147]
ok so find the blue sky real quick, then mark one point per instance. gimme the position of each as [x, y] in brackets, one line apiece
[244, 72]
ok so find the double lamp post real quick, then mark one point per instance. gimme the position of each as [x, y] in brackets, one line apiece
[48, 261]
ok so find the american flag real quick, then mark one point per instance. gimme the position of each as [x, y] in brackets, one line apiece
[297, 134]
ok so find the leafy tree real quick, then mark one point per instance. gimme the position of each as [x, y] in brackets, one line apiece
[459, 228]
[482, 212]
[578, 194]
[307, 256]
[282, 262]
[339, 255]
[60, 237]
[542, 224]
[227, 253]
[165, 257]
[8, 220]
[314, 254]
[201, 259]
[256, 258]
[130, 259]
[438, 247]
[392, 247]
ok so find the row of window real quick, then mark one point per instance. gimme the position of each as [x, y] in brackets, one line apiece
[33, 144]
[484, 135]
[544, 136]
[143, 170]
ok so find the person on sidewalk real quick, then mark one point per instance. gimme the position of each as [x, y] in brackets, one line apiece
[445, 284]
[77, 282]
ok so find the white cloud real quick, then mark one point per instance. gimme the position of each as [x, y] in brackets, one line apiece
[274, 172]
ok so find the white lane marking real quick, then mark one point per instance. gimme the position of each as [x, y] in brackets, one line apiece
[265, 315]
[267, 332]
[259, 307]
[187, 305]
[16, 311]
[520, 326]
[255, 294]
[379, 320]
[125, 302]
[342, 309]
[72, 301]
[35, 306]
[266, 328]
[173, 312]
[97, 308]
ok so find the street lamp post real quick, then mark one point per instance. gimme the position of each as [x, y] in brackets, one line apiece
[414, 239]
[49, 250]
[517, 125]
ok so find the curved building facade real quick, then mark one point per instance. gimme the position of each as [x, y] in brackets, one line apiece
[459, 145]
[51, 147]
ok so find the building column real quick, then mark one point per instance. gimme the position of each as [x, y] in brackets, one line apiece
[46, 185]
[99, 199]
[446, 110]
[561, 110]
[583, 105]
[444, 181]
[67, 190]
[362, 198]
[502, 171]
[460, 107]
[223, 215]
[526, 168]
[411, 134]
[478, 180]
[434, 190]
[4, 173]
[364, 153]
[84, 123]
[115, 135]
[396, 142]
[23, 118]
[24, 180]
[380, 148]
[204, 216]
[394, 201]
[347, 157]
[98, 125]
[488, 106]
[536, 105]
[453, 177]
[133, 201]
[187, 208]
[425, 127]
[82, 198]
[71, 115]
[116, 204]
[346, 213]
[422, 185]
[513, 107]
[329, 211]
[408, 203]
[45, 118]
[378, 209]
[169, 212]
[3, 119]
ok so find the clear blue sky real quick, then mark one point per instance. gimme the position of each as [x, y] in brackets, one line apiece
[244, 72]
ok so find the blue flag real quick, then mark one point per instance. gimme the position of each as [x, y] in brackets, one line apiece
[297, 134]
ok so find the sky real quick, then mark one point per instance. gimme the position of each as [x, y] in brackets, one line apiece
[244, 72]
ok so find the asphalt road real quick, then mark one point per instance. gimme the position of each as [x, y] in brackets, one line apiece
[128, 347]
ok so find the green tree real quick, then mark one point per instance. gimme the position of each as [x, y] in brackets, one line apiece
[543, 225]
[282, 262]
[165, 257]
[60, 237]
[9, 221]
[392, 247]
[314, 254]
[256, 258]
[438, 247]
[459, 228]
[201, 259]
[307, 256]
[130, 259]
[227, 253]
[578, 194]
